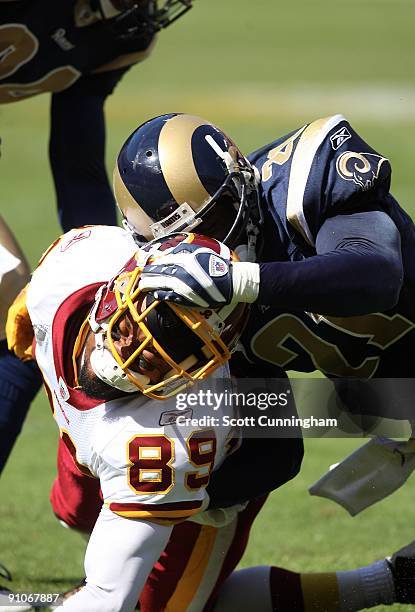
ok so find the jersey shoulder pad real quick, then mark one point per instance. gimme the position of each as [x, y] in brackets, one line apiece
[334, 171]
[324, 169]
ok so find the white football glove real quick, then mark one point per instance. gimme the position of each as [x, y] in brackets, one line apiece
[192, 275]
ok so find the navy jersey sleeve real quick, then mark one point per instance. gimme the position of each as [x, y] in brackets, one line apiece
[239, 479]
[334, 171]
[357, 269]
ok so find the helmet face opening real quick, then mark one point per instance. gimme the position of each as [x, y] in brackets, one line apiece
[141, 17]
[226, 216]
[185, 345]
[225, 208]
[165, 12]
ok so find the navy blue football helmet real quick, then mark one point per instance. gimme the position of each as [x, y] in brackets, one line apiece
[177, 172]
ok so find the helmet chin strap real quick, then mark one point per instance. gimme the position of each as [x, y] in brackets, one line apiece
[107, 369]
[247, 252]
[257, 175]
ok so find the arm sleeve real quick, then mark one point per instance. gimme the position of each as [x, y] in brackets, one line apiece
[357, 270]
[239, 478]
[260, 464]
[119, 557]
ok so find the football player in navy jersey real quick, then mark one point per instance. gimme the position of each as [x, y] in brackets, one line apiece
[325, 249]
[334, 289]
[77, 51]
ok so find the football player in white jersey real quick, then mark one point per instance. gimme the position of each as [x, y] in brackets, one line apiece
[98, 344]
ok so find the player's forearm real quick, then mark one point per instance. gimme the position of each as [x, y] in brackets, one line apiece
[327, 284]
[227, 486]
[357, 271]
[119, 557]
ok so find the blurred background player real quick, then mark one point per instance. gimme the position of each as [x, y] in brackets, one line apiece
[19, 381]
[78, 52]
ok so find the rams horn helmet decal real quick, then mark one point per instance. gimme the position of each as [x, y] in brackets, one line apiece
[177, 172]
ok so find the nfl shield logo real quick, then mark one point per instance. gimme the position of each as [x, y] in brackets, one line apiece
[217, 267]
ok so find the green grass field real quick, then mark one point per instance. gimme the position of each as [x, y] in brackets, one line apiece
[258, 69]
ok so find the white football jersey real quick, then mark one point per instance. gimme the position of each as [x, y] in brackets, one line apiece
[149, 465]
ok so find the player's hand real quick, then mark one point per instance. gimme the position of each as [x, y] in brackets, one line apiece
[199, 277]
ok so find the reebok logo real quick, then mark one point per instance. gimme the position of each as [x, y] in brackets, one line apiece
[339, 138]
[81, 236]
[171, 416]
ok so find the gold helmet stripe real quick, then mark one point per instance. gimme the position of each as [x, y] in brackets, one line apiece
[131, 209]
[176, 161]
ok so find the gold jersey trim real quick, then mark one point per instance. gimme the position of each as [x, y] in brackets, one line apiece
[303, 157]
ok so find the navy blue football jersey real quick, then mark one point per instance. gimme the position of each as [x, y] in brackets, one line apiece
[324, 170]
[46, 45]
